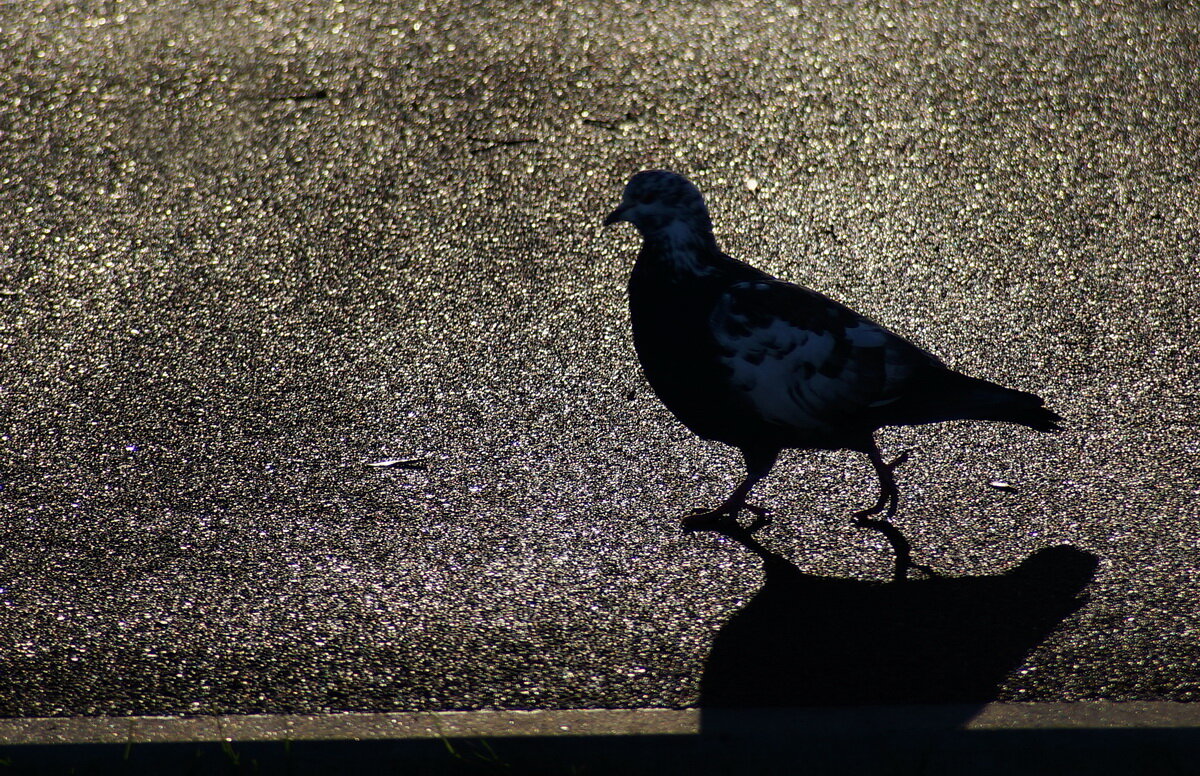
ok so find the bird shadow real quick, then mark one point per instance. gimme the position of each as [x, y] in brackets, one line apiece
[813, 641]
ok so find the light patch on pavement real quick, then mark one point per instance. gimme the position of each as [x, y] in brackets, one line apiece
[593, 722]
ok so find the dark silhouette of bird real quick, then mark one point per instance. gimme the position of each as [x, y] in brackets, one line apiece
[761, 364]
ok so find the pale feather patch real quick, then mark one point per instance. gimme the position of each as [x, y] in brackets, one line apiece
[777, 365]
[768, 363]
[681, 240]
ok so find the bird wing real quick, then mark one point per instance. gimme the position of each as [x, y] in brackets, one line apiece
[805, 362]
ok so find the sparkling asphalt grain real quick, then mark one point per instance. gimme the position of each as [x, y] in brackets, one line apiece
[246, 251]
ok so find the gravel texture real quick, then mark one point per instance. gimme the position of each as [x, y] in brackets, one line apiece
[247, 249]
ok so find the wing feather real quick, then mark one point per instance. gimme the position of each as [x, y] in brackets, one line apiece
[805, 362]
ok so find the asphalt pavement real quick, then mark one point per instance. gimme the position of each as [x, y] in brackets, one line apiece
[247, 250]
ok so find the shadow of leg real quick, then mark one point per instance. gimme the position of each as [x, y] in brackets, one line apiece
[900, 546]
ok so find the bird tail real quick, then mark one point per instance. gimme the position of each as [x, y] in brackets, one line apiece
[954, 396]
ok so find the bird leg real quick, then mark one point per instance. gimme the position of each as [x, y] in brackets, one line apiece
[724, 517]
[889, 498]
[889, 493]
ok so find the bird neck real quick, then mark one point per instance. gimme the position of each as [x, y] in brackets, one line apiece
[687, 246]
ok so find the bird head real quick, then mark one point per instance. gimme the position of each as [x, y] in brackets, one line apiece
[654, 199]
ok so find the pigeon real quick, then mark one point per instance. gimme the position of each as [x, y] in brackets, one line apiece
[763, 365]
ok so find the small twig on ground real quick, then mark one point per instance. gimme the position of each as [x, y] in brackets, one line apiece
[493, 144]
[400, 463]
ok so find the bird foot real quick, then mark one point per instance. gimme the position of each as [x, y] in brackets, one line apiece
[724, 518]
[899, 460]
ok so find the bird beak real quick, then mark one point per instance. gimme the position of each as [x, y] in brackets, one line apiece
[617, 215]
